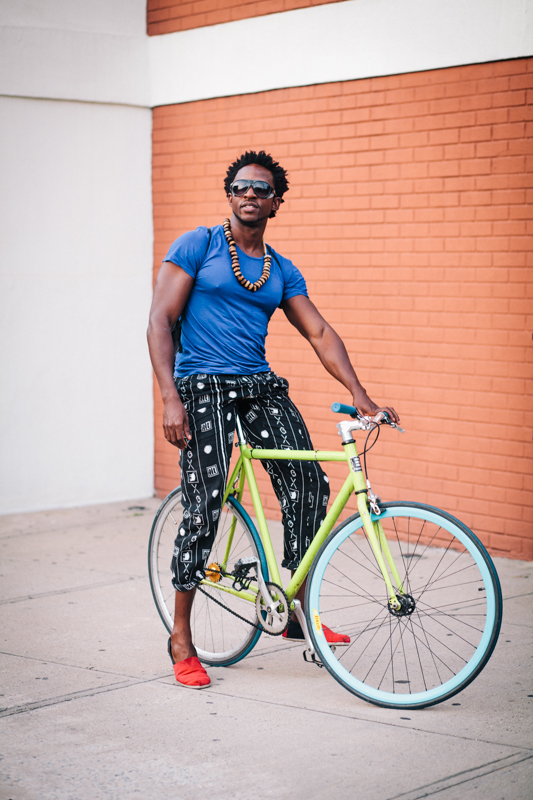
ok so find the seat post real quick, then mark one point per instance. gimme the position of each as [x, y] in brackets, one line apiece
[240, 432]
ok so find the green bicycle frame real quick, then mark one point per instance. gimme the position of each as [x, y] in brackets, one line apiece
[355, 482]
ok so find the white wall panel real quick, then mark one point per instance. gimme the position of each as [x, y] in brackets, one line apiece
[76, 253]
[97, 51]
[74, 65]
[93, 50]
[336, 42]
[121, 17]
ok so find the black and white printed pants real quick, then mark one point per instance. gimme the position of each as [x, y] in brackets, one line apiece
[270, 420]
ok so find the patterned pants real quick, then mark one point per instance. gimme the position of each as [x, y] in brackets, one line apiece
[270, 420]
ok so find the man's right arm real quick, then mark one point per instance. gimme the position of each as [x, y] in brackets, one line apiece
[171, 292]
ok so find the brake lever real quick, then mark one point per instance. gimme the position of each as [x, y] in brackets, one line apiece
[383, 416]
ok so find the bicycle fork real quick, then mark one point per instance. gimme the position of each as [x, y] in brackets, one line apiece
[374, 530]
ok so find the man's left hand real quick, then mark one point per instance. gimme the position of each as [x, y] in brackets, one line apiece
[366, 406]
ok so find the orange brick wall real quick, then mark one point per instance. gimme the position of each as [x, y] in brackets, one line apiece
[408, 214]
[168, 16]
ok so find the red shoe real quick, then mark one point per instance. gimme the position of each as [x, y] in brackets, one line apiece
[294, 633]
[338, 639]
[189, 672]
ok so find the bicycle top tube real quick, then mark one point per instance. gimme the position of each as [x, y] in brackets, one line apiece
[283, 455]
[295, 455]
[344, 429]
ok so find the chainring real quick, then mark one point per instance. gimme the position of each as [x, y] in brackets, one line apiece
[273, 619]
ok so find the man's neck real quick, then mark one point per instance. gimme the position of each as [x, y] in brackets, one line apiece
[249, 237]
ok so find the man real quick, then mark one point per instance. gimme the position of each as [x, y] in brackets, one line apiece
[224, 285]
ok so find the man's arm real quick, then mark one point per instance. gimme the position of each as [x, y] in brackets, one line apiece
[330, 349]
[171, 291]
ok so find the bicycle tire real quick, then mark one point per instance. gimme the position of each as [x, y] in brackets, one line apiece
[220, 637]
[423, 657]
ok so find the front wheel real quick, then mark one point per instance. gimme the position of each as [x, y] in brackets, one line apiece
[222, 634]
[449, 620]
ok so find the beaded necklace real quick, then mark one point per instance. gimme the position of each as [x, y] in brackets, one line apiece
[252, 287]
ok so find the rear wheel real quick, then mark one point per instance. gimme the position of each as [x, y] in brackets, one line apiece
[448, 623]
[220, 636]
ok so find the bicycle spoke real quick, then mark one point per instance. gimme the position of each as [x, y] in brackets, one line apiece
[360, 634]
[374, 569]
[419, 659]
[436, 618]
[361, 592]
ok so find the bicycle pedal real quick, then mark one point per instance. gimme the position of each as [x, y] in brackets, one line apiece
[312, 660]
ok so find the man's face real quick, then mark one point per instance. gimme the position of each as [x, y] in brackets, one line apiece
[249, 208]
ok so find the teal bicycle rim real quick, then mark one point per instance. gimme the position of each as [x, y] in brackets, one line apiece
[479, 569]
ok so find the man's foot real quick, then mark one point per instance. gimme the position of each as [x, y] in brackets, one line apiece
[338, 639]
[181, 647]
[294, 633]
[189, 672]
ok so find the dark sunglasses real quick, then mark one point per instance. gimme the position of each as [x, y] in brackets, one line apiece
[262, 189]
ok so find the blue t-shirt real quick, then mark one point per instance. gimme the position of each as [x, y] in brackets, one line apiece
[224, 325]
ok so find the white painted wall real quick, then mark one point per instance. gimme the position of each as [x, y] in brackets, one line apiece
[97, 50]
[76, 253]
[94, 50]
[76, 410]
[120, 17]
[336, 42]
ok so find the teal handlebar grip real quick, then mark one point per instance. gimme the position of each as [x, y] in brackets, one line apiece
[341, 408]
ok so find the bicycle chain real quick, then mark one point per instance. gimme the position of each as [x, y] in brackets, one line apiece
[257, 627]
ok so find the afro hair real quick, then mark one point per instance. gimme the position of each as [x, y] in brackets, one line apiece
[281, 184]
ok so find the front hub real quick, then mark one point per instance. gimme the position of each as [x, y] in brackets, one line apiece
[405, 606]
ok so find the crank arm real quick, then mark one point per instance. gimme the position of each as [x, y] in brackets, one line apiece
[263, 587]
[303, 624]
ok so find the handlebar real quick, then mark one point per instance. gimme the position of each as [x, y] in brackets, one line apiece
[341, 408]
[381, 418]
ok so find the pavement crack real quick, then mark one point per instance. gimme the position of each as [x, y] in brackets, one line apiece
[66, 698]
[356, 718]
[513, 596]
[459, 778]
[92, 669]
[84, 588]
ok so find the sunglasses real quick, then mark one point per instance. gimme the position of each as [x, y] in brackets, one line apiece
[262, 189]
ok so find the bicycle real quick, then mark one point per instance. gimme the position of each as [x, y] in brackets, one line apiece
[411, 585]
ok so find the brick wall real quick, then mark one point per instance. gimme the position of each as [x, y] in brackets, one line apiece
[408, 215]
[167, 16]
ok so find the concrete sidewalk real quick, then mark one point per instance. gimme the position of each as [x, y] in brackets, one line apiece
[91, 709]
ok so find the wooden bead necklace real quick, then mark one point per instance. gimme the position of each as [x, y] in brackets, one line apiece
[252, 287]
